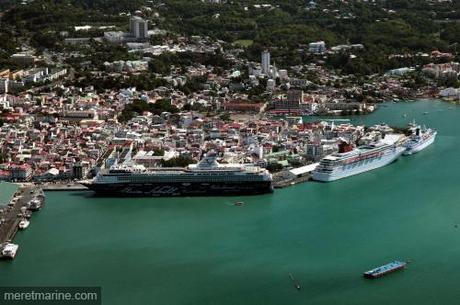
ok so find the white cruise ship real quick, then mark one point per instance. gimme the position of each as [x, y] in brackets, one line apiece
[208, 177]
[420, 139]
[351, 161]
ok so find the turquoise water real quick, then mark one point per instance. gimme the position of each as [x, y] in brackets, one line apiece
[6, 191]
[207, 251]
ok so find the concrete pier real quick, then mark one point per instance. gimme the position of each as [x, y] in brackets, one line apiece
[282, 183]
[54, 187]
[9, 216]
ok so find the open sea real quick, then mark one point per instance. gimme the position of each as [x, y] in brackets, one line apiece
[205, 250]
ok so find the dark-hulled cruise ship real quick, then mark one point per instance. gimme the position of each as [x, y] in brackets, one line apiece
[208, 177]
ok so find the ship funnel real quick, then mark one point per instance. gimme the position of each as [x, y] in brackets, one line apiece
[345, 147]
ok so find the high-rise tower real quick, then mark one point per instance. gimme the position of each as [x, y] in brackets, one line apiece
[266, 62]
[138, 27]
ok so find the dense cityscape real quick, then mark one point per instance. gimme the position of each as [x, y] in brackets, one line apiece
[66, 114]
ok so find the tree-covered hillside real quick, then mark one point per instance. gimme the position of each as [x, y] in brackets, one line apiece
[284, 26]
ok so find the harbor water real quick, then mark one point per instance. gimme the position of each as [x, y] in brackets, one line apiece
[6, 191]
[203, 251]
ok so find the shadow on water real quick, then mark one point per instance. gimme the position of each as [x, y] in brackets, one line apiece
[84, 194]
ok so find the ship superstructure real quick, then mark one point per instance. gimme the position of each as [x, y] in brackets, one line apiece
[420, 139]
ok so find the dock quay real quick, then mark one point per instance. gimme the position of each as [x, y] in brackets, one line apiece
[282, 183]
[293, 176]
[57, 187]
[23, 202]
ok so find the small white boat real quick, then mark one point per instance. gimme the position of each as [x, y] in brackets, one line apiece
[35, 205]
[9, 250]
[23, 224]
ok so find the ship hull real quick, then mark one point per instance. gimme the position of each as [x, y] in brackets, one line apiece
[384, 270]
[420, 146]
[159, 189]
[355, 169]
[380, 274]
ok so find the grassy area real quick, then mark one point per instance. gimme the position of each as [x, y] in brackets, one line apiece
[243, 43]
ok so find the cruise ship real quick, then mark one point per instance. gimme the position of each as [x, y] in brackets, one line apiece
[351, 161]
[420, 139]
[208, 177]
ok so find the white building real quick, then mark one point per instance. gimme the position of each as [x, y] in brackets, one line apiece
[266, 62]
[400, 71]
[318, 47]
[128, 66]
[271, 84]
[254, 70]
[283, 74]
[138, 27]
[347, 47]
[4, 103]
[114, 37]
[253, 80]
[55, 74]
[450, 93]
[23, 58]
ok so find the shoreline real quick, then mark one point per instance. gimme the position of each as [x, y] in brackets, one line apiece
[66, 185]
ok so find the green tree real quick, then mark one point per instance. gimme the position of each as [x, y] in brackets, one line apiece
[159, 152]
[139, 106]
[225, 117]
[181, 161]
[2, 157]
[274, 167]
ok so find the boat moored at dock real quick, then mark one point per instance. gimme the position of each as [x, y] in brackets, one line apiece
[208, 177]
[385, 269]
[24, 224]
[9, 250]
[351, 161]
[35, 205]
